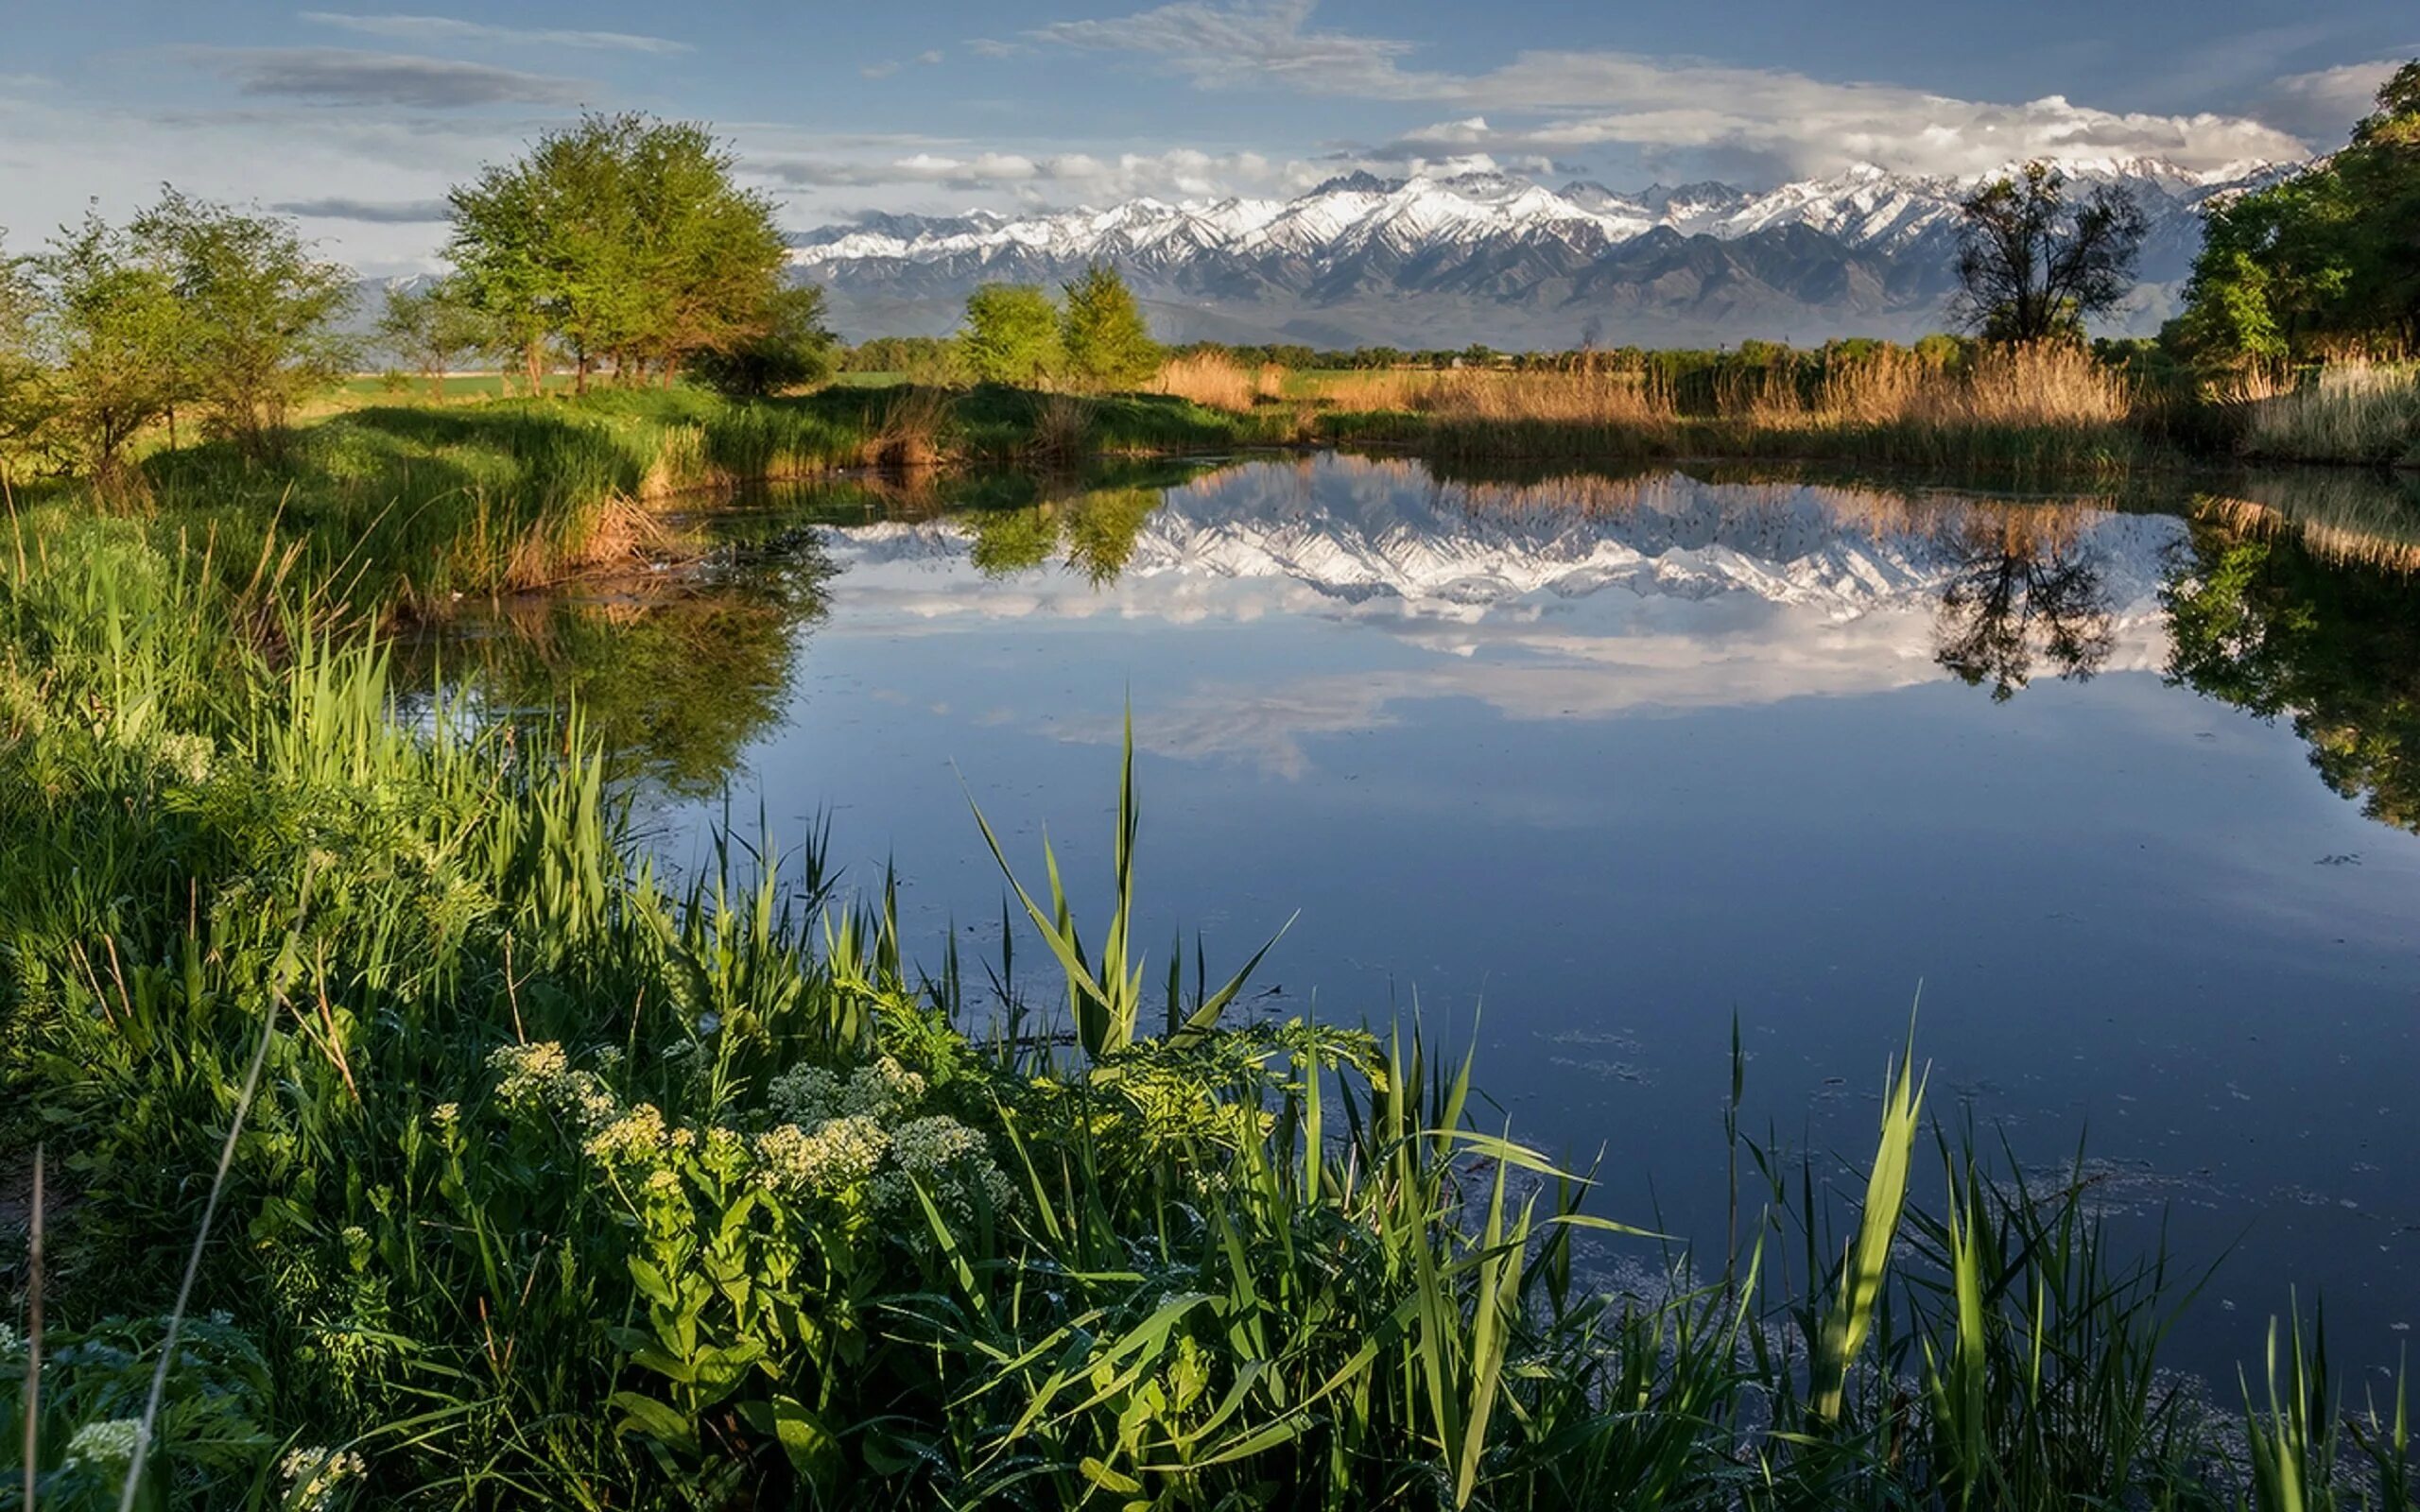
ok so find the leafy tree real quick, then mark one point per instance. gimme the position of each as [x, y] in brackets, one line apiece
[791, 352]
[1012, 336]
[113, 337]
[710, 258]
[508, 269]
[435, 328]
[2328, 258]
[2032, 263]
[257, 310]
[1107, 343]
[625, 239]
[23, 397]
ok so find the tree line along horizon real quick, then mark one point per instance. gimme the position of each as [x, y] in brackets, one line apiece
[624, 245]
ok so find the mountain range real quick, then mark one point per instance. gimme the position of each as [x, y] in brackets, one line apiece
[1443, 261]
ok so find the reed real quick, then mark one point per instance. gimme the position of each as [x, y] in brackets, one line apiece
[2350, 411]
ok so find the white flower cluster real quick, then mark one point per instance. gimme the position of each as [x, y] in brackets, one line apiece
[949, 1162]
[882, 1091]
[534, 1076]
[108, 1442]
[12, 1343]
[637, 1137]
[838, 1135]
[312, 1475]
[835, 1156]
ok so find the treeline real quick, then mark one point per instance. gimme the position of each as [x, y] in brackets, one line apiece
[193, 308]
[2323, 264]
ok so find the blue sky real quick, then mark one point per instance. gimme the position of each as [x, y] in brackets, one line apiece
[357, 119]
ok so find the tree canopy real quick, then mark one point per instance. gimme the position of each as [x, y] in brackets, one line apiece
[1107, 343]
[623, 238]
[2328, 258]
[1012, 336]
[2033, 262]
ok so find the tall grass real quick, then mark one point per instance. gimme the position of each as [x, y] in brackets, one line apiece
[2350, 411]
[1215, 381]
[2044, 409]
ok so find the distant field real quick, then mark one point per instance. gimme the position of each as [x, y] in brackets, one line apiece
[453, 385]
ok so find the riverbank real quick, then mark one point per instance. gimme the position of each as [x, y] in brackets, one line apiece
[416, 503]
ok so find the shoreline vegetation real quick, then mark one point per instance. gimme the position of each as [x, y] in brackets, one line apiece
[415, 502]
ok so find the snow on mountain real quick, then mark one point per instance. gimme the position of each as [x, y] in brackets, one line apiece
[1488, 256]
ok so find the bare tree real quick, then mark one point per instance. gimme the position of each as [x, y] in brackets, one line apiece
[2034, 264]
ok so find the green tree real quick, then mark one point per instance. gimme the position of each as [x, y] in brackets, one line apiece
[258, 310]
[22, 399]
[113, 337]
[793, 351]
[505, 261]
[435, 328]
[2324, 259]
[2033, 262]
[1107, 343]
[624, 238]
[710, 258]
[1012, 336]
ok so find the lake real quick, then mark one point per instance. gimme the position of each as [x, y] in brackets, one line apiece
[1590, 769]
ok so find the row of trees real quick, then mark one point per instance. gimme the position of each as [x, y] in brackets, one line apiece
[189, 306]
[1017, 333]
[2326, 261]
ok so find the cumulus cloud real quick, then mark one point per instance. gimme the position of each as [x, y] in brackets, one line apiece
[441, 29]
[1564, 99]
[2320, 107]
[374, 211]
[345, 75]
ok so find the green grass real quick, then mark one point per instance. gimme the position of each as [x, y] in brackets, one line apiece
[562, 1187]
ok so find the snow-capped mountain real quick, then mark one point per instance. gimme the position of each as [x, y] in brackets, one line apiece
[1442, 261]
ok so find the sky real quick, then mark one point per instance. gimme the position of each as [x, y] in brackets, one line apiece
[355, 120]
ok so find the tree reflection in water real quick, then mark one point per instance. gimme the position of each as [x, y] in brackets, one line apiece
[2023, 589]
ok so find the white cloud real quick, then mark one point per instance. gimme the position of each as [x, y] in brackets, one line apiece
[345, 75]
[1795, 123]
[441, 30]
[2320, 107]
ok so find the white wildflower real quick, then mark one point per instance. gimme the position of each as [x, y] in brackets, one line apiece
[805, 1095]
[838, 1155]
[108, 1442]
[636, 1137]
[882, 1089]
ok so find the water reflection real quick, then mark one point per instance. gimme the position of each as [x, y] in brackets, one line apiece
[672, 680]
[2022, 588]
[2284, 595]
[1625, 756]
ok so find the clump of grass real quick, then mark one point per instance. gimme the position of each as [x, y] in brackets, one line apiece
[1215, 381]
[2350, 411]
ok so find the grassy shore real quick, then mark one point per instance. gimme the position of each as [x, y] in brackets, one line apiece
[413, 502]
[543, 1185]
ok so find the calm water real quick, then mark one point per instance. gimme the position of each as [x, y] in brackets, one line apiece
[1588, 768]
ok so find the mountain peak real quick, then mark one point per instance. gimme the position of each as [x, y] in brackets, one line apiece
[1449, 258]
